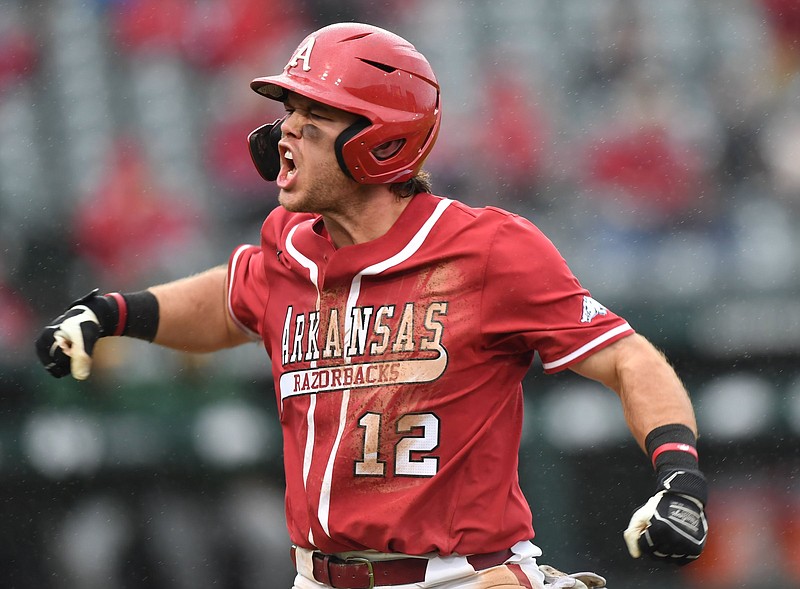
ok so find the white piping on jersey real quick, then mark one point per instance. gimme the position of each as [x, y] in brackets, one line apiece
[355, 290]
[411, 247]
[313, 271]
[308, 451]
[313, 275]
[327, 478]
[586, 347]
[235, 261]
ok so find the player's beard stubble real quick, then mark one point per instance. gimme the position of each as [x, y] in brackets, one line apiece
[322, 189]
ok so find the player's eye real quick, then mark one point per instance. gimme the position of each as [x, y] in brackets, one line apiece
[316, 115]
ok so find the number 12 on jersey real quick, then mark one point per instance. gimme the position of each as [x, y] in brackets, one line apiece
[423, 438]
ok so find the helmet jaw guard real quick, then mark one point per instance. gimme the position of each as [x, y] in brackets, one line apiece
[263, 144]
[378, 75]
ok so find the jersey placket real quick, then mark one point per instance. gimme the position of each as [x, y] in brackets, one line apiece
[413, 245]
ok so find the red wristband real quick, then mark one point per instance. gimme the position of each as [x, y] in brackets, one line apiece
[122, 305]
[674, 447]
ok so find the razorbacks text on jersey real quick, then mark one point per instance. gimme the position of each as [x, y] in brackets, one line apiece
[398, 366]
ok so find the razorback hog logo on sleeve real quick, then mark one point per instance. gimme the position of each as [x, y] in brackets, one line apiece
[370, 346]
[591, 309]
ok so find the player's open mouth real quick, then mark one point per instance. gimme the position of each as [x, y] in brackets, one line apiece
[288, 168]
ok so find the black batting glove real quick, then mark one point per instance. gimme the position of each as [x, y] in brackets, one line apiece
[671, 526]
[66, 345]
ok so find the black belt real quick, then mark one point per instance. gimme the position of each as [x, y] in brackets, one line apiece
[361, 573]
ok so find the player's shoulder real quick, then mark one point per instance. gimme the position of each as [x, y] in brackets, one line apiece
[486, 213]
[490, 217]
[497, 231]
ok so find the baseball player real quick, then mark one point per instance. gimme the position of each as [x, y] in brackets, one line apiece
[400, 326]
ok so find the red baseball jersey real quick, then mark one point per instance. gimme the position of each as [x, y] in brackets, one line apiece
[398, 366]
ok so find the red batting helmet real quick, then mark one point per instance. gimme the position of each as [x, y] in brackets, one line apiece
[370, 72]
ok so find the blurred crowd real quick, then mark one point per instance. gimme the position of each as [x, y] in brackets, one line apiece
[656, 143]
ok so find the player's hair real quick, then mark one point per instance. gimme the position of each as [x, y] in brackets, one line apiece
[419, 183]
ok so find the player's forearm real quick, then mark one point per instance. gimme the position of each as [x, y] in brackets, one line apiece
[193, 314]
[651, 392]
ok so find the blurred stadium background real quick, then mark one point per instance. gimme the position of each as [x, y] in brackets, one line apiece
[656, 142]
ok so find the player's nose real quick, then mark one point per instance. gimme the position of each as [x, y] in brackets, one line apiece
[292, 125]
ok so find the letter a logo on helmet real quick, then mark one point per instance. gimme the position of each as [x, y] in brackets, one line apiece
[303, 52]
[378, 75]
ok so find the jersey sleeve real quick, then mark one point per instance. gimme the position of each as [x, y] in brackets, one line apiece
[247, 289]
[535, 302]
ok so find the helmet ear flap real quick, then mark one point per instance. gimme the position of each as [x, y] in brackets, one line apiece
[263, 144]
[344, 137]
